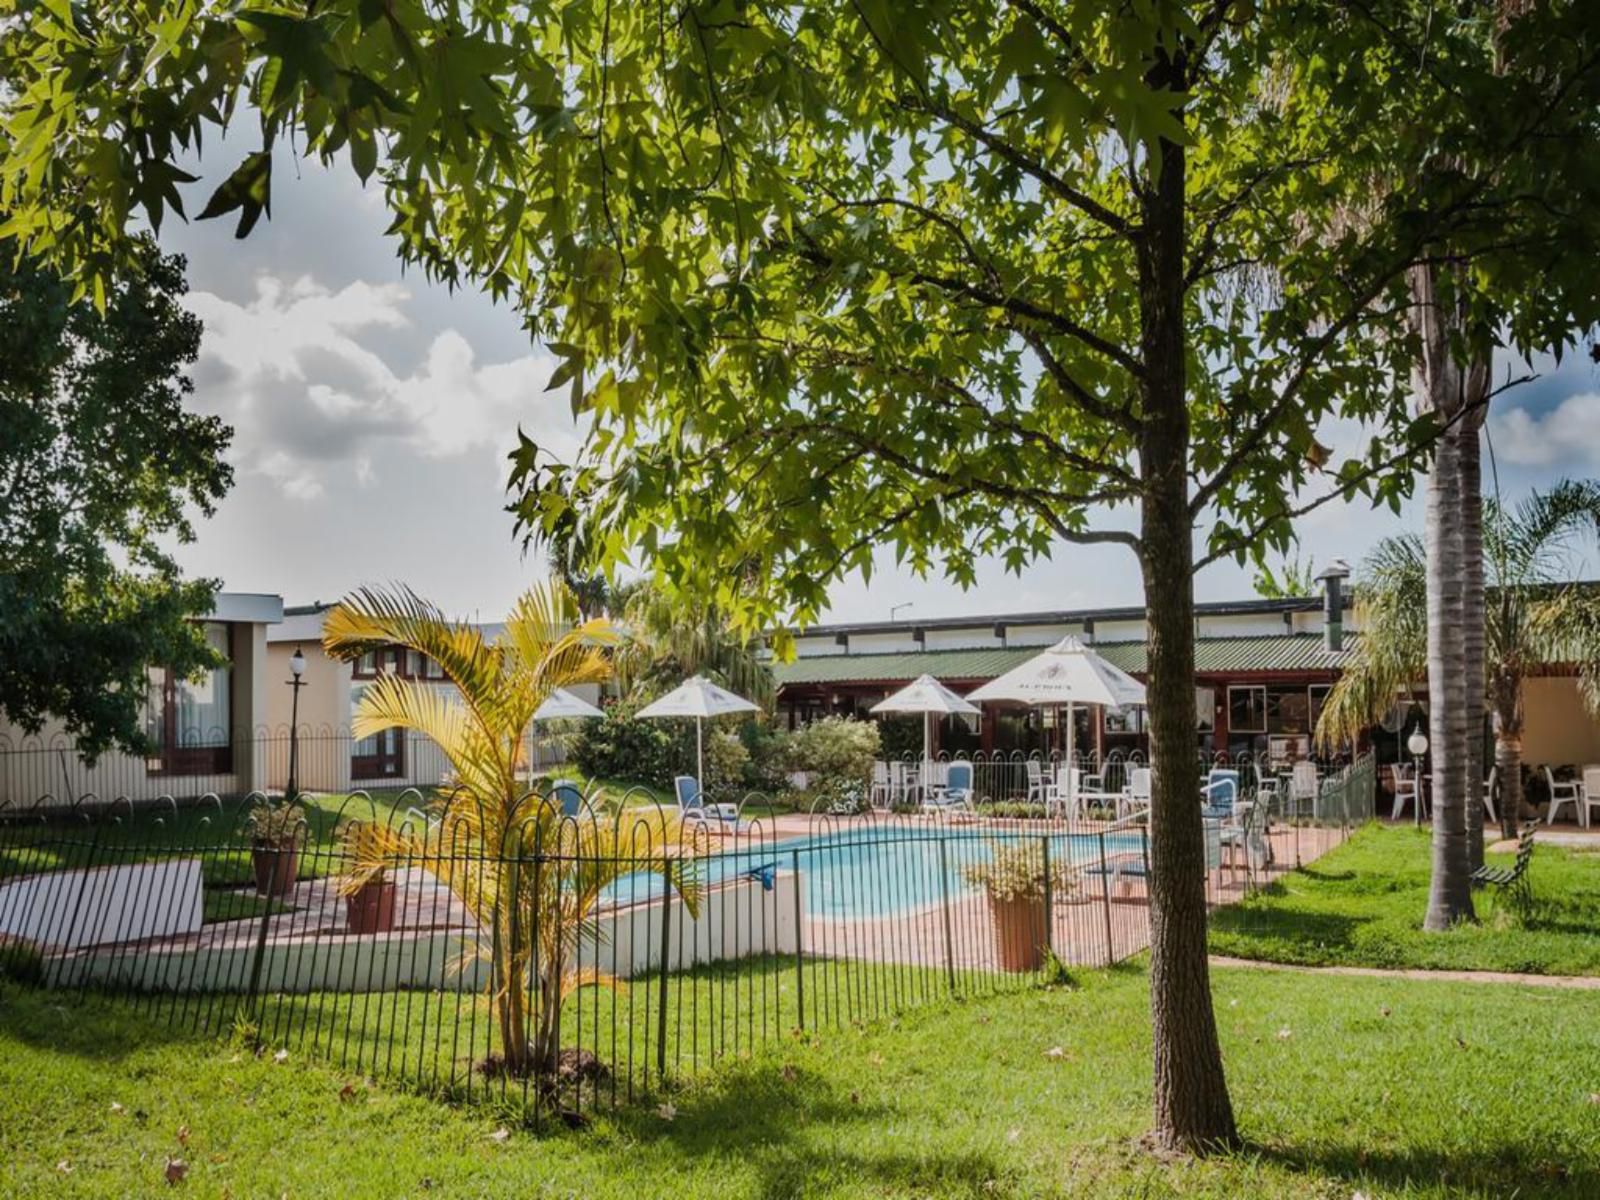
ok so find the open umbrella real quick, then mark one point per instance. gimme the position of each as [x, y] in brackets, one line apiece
[926, 695]
[562, 705]
[1067, 673]
[699, 698]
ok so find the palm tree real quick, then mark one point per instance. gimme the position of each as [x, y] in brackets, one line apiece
[1537, 617]
[670, 639]
[526, 875]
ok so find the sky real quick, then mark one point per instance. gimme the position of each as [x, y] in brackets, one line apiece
[373, 413]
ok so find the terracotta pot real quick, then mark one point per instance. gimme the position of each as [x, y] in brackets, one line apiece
[371, 908]
[1019, 933]
[276, 864]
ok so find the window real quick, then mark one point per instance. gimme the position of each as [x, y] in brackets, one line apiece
[190, 721]
[1205, 709]
[1289, 712]
[1125, 720]
[1247, 710]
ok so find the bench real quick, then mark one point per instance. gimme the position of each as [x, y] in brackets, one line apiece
[1515, 878]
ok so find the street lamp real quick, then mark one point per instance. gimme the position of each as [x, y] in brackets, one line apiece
[1417, 743]
[297, 669]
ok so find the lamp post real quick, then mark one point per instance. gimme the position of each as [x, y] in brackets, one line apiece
[1417, 743]
[297, 670]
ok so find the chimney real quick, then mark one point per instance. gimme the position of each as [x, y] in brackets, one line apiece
[1332, 581]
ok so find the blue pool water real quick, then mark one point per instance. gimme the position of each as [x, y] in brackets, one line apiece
[875, 871]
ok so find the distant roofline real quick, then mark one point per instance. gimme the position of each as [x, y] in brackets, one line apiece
[1129, 612]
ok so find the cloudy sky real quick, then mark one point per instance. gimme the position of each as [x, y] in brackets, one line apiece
[373, 412]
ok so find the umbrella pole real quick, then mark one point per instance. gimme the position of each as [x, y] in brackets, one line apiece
[699, 757]
[927, 753]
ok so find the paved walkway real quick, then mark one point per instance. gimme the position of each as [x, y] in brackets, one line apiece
[1575, 982]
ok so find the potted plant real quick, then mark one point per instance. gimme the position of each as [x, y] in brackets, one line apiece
[1016, 880]
[275, 846]
[366, 886]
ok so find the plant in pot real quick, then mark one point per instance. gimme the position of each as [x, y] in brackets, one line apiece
[367, 888]
[1017, 879]
[275, 837]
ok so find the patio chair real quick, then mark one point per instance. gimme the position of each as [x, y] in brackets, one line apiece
[568, 797]
[954, 794]
[1591, 794]
[1490, 809]
[881, 786]
[1406, 788]
[1220, 794]
[1137, 797]
[1266, 785]
[1568, 791]
[1038, 790]
[1303, 787]
[693, 805]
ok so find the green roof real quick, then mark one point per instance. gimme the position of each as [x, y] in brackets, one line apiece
[1215, 655]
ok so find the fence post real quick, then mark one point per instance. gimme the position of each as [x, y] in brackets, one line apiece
[799, 945]
[1105, 896]
[944, 895]
[261, 947]
[1049, 898]
[666, 949]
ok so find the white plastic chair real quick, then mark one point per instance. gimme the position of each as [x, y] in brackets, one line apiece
[1137, 797]
[1568, 792]
[1303, 787]
[1490, 813]
[1405, 788]
[1037, 789]
[1266, 785]
[1591, 794]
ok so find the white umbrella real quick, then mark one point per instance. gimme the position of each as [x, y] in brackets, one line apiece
[1067, 673]
[926, 695]
[699, 698]
[562, 705]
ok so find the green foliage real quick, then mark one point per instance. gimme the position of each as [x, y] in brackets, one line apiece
[100, 470]
[727, 761]
[620, 746]
[674, 635]
[1016, 870]
[837, 753]
[1293, 578]
[901, 736]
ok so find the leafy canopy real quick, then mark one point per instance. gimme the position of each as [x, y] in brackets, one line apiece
[100, 470]
[844, 273]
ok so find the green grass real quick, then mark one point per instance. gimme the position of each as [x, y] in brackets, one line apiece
[218, 905]
[1390, 1088]
[1362, 905]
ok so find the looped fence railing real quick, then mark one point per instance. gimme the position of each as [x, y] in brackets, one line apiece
[573, 954]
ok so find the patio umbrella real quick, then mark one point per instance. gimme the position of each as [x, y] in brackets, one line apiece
[699, 698]
[562, 705]
[1067, 673]
[926, 695]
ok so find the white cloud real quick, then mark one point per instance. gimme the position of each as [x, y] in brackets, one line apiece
[300, 371]
[1569, 432]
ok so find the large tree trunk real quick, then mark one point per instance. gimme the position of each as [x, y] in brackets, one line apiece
[1445, 388]
[1469, 486]
[1192, 1108]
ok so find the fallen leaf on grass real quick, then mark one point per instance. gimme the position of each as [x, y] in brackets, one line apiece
[789, 1073]
[64, 1167]
[875, 1059]
[500, 1135]
[1013, 1134]
[177, 1171]
[183, 1135]
[117, 1108]
[347, 1092]
[1594, 1097]
[1285, 1034]
[1384, 1011]
[667, 1111]
[1055, 1052]
[282, 1056]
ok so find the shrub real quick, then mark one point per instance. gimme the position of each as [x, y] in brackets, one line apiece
[902, 737]
[726, 760]
[620, 746]
[766, 769]
[836, 752]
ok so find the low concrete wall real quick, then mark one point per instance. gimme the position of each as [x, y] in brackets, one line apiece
[99, 906]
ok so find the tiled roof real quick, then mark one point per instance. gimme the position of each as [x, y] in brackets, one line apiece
[1266, 652]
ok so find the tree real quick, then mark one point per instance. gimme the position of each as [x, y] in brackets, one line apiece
[504, 850]
[671, 636]
[1539, 617]
[99, 462]
[1293, 578]
[948, 277]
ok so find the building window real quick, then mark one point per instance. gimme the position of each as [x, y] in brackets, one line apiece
[190, 721]
[1247, 710]
[1205, 709]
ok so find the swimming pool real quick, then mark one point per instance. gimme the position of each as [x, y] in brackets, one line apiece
[876, 870]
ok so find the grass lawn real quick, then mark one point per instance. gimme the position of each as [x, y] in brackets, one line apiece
[1362, 905]
[1342, 1085]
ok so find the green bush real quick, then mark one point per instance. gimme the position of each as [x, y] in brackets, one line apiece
[836, 752]
[766, 769]
[620, 746]
[726, 760]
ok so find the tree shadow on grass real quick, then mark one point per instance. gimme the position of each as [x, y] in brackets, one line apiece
[779, 1120]
[100, 1028]
[1506, 1169]
[1289, 923]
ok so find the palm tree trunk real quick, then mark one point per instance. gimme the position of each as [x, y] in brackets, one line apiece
[1507, 694]
[1470, 506]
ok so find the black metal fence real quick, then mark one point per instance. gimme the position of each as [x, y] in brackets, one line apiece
[581, 959]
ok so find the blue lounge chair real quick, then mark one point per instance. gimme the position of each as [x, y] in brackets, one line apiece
[570, 799]
[692, 802]
[954, 793]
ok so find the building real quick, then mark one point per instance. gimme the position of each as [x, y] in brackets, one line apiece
[328, 757]
[206, 734]
[1262, 670]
